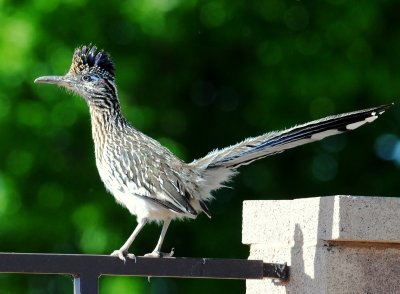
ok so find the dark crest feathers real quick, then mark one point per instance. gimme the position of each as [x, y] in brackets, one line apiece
[89, 58]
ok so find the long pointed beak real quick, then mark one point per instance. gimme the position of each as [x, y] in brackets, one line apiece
[57, 80]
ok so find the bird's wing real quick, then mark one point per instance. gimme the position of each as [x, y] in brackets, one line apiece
[155, 174]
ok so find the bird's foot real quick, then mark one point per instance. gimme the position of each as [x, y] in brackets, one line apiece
[123, 254]
[158, 254]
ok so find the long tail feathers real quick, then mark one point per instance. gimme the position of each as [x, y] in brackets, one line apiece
[271, 143]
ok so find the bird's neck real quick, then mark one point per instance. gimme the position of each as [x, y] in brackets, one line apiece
[105, 113]
[107, 122]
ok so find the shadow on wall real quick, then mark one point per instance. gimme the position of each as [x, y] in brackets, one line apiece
[305, 275]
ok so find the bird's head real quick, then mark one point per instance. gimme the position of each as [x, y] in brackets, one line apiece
[92, 75]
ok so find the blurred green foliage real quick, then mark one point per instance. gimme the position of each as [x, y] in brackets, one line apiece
[196, 75]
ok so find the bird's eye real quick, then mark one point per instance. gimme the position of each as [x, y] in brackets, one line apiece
[87, 78]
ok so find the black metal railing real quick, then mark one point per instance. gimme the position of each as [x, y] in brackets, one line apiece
[86, 269]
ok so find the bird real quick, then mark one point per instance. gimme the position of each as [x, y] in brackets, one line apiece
[146, 177]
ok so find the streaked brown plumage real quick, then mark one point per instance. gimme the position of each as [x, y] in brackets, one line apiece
[147, 178]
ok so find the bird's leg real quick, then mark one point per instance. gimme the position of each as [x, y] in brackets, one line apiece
[156, 252]
[123, 251]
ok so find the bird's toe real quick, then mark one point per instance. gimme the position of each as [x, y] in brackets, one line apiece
[121, 254]
[158, 254]
[154, 254]
[131, 256]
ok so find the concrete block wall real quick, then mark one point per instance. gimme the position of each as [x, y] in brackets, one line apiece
[335, 244]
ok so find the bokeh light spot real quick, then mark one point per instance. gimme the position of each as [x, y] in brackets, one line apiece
[122, 285]
[164, 5]
[86, 215]
[93, 240]
[387, 147]
[16, 38]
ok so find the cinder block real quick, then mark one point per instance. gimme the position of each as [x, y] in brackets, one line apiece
[366, 218]
[355, 218]
[338, 244]
[266, 221]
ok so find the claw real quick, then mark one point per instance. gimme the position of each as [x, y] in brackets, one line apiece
[121, 254]
[154, 254]
[131, 256]
[158, 254]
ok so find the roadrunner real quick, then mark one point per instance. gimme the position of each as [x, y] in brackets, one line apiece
[150, 181]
